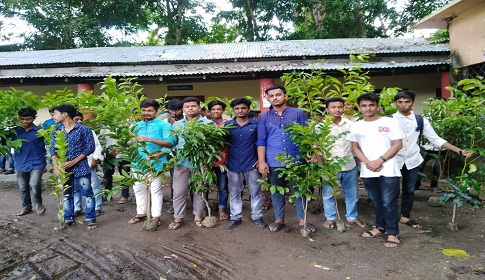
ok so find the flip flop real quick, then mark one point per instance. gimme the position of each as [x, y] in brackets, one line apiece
[40, 210]
[136, 219]
[92, 225]
[170, 210]
[175, 225]
[358, 223]
[275, 227]
[413, 224]
[223, 215]
[310, 227]
[329, 224]
[199, 223]
[392, 244]
[370, 234]
[24, 212]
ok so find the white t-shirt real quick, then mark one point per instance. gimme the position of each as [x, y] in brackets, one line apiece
[374, 138]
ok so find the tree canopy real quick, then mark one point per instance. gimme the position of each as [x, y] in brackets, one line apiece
[62, 24]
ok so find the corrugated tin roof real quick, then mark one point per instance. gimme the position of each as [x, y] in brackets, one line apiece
[217, 68]
[221, 52]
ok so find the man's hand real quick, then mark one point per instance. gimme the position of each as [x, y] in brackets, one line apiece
[68, 164]
[142, 139]
[93, 163]
[263, 167]
[374, 165]
[467, 153]
[156, 155]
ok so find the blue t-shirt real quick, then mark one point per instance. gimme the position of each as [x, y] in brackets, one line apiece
[32, 153]
[243, 152]
[272, 134]
[159, 130]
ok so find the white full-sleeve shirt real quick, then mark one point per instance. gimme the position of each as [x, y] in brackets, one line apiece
[410, 152]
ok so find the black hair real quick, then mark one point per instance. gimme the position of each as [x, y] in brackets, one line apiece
[272, 87]
[27, 112]
[240, 100]
[66, 108]
[333, 99]
[79, 114]
[253, 114]
[216, 102]
[175, 104]
[406, 94]
[368, 96]
[191, 99]
[150, 103]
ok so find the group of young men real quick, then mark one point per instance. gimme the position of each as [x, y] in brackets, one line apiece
[386, 148]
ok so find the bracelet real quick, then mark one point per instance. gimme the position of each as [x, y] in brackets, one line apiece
[384, 160]
[461, 152]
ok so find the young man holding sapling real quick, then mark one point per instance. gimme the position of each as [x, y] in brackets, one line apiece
[375, 141]
[80, 144]
[156, 134]
[273, 140]
[242, 160]
[30, 162]
[409, 157]
[348, 175]
[183, 170]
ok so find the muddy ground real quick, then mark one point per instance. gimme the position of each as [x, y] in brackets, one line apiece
[30, 248]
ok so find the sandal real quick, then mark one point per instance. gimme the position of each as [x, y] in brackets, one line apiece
[358, 223]
[412, 223]
[123, 200]
[137, 219]
[372, 233]
[391, 243]
[329, 224]
[92, 225]
[158, 221]
[223, 215]
[310, 227]
[199, 223]
[274, 227]
[267, 205]
[170, 210]
[175, 225]
[24, 212]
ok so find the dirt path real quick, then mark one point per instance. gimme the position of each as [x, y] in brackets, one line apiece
[31, 249]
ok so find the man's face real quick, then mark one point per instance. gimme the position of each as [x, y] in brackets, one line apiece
[276, 97]
[27, 122]
[148, 113]
[335, 109]
[58, 116]
[216, 112]
[78, 119]
[404, 105]
[176, 114]
[191, 109]
[241, 110]
[368, 108]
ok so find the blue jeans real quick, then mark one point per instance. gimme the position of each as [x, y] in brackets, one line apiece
[30, 182]
[236, 183]
[4, 159]
[428, 155]
[82, 183]
[348, 179]
[279, 199]
[78, 203]
[409, 178]
[222, 187]
[384, 193]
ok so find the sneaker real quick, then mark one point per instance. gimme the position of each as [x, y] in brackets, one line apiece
[260, 223]
[8, 172]
[233, 223]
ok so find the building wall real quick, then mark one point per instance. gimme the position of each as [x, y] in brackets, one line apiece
[467, 37]
[424, 85]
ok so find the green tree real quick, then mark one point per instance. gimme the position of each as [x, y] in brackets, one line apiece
[66, 24]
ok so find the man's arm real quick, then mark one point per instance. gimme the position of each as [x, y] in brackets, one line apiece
[431, 135]
[262, 165]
